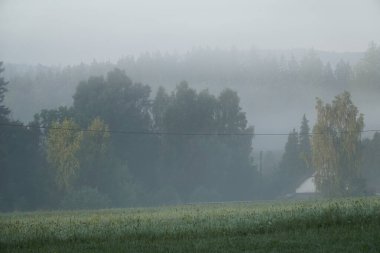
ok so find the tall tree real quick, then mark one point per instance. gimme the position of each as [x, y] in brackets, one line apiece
[122, 105]
[295, 164]
[4, 111]
[230, 117]
[4, 149]
[20, 178]
[290, 159]
[62, 147]
[304, 144]
[217, 163]
[290, 167]
[336, 147]
[100, 170]
[182, 156]
[239, 174]
[93, 158]
[371, 161]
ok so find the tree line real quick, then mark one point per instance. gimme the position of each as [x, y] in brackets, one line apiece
[45, 87]
[94, 153]
[68, 157]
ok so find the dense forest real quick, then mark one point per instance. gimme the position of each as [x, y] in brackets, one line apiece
[99, 138]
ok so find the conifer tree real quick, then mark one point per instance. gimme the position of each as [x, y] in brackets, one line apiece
[4, 111]
[304, 144]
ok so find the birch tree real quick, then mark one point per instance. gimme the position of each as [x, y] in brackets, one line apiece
[62, 146]
[336, 147]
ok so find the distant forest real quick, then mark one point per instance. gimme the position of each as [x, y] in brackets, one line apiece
[252, 72]
[88, 144]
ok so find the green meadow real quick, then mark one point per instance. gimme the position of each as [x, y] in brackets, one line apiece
[339, 225]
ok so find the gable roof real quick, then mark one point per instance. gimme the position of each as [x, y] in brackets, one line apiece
[307, 186]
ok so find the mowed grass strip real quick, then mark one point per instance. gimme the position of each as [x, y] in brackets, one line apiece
[353, 222]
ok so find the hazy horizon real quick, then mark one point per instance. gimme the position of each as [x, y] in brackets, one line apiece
[70, 32]
[126, 103]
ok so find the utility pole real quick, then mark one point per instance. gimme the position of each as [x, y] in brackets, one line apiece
[261, 163]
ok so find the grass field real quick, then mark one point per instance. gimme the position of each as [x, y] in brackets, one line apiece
[344, 225]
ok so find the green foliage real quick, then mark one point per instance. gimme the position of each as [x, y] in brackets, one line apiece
[222, 163]
[118, 101]
[129, 168]
[291, 159]
[21, 180]
[304, 144]
[122, 105]
[81, 161]
[295, 165]
[47, 117]
[62, 147]
[371, 162]
[94, 155]
[336, 147]
[4, 111]
[123, 189]
[229, 114]
[21, 187]
[291, 169]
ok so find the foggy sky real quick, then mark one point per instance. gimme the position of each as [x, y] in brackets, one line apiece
[71, 31]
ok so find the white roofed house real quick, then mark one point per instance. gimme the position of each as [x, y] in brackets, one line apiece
[307, 189]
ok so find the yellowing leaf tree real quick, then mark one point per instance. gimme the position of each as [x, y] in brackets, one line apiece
[62, 146]
[336, 147]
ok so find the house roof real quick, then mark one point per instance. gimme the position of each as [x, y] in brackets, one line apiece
[308, 186]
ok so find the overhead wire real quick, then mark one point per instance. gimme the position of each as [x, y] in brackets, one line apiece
[129, 132]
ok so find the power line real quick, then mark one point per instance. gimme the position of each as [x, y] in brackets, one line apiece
[174, 133]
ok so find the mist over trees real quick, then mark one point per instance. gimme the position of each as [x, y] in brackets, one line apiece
[99, 139]
[253, 72]
[100, 151]
[293, 78]
[19, 161]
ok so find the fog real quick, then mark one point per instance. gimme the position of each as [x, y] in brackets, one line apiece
[91, 63]
[69, 32]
